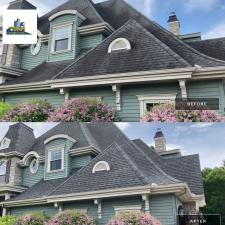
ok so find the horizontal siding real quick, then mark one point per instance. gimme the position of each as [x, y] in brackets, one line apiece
[29, 61]
[29, 179]
[80, 161]
[53, 97]
[207, 89]
[49, 210]
[89, 42]
[163, 207]
[69, 54]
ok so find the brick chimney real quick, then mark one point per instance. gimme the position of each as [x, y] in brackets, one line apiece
[160, 141]
[174, 24]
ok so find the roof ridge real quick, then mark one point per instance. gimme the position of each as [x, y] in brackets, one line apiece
[88, 52]
[97, 14]
[163, 45]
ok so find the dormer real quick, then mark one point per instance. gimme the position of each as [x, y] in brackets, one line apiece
[63, 36]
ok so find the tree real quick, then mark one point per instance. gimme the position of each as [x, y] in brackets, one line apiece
[214, 185]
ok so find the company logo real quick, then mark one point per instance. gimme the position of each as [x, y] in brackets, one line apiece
[18, 28]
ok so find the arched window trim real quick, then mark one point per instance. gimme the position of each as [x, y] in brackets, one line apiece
[127, 43]
[107, 167]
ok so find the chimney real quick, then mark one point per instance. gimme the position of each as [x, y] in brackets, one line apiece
[174, 24]
[160, 141]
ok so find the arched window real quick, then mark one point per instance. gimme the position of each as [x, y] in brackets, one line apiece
[3, 164]
[101, 166]
[119, 44]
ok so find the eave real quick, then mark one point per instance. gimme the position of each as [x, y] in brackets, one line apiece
[209, 73]
[84, 151]
[12, 72]
[12, 188]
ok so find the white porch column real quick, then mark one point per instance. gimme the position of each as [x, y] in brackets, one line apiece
[145, 198]
[183, 88]
[4, 210]
[116, 88]
[66, 92]
[59, 206]
[98, 202]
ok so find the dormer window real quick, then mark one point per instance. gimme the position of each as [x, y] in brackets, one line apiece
[3, 164]
[61, 38]
[101, 166]
[55, 160]
[5, 143]
[119, 44]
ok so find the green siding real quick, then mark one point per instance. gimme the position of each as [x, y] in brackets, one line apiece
[29, 61]
[49, 210]
[163, 207]
[89, 42]
[207, 89]
[53, 97]
[80, 161]
[68, 54]
[29, 179]
[55, 144]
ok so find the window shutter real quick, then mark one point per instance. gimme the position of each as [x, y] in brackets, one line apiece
[4, 54]
[7, 171]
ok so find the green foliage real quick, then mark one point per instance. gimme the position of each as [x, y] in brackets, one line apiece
[7, 220]
[4, 108]
[214, 185]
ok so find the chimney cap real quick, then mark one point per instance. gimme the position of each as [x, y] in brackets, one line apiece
[173, 17]
[158, 133]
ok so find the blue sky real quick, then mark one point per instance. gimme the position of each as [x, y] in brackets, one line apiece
[207, 16]
[205, 139]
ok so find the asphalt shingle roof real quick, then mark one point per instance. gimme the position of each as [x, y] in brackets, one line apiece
[21, 4]
[211, 47]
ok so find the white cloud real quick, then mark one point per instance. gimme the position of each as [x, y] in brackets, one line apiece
[201, 125]
[172, 147]
[148, 6]
[123, 126]
[216, 32]
[201, 5]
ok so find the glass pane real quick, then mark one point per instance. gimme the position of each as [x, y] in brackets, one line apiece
[149, 106]
[56, 155]
[56, 165]
[62, 33]
[2, 168]
[61, 45]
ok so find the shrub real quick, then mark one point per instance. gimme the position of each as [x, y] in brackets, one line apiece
[35, 218]
[70, 217]
[167, 113]
[4, 108]
[83, 110]
[33, 111]
[7, 220]
[135, 218]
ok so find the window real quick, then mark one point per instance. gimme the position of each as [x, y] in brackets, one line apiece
[3, 167]
[101, 166]
[147, 102]
[34, 166]
[61, 39]
[5, 143]
[55, 160]
[119, 44]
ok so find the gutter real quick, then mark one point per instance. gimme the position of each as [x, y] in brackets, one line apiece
[119, 192]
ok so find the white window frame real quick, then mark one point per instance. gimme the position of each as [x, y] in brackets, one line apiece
[154, 99]
[32, 161]
[127, 43]
[8, 141]
[5, 161]
[49, 161]
[94, 170]
[69, 48]
[127, 208]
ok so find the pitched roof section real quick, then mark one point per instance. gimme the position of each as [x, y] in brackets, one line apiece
[122, 12]
[85, 7]
[211, 47]
[147, 53]
[21, 4]
[22, 138]
[185, 168]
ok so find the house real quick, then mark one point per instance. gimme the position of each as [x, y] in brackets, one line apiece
[109, 50]
[96, 169]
